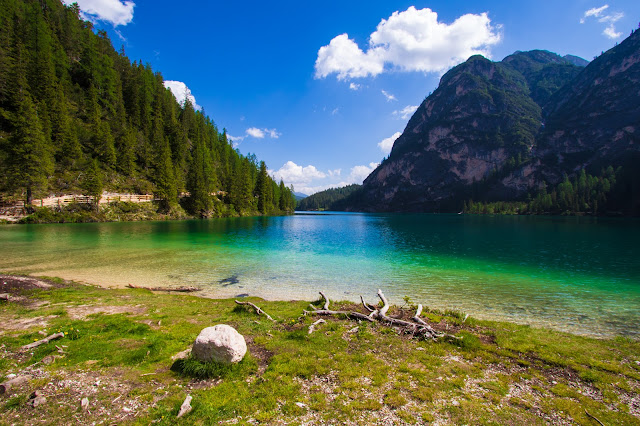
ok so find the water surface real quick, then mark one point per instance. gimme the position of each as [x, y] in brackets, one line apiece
[575, 274]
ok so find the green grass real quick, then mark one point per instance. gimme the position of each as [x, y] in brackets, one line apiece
[499, 373]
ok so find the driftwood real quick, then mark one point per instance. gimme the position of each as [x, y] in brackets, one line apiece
[326, 311]
[258, 310]
[5, 296]
[16, 381]
[418, 327]
[42, 341]
[185, 407]
[183, 289]
[312, 327]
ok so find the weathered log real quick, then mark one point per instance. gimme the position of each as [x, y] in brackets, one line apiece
[312, 327]
[16, 381]
[417, 328]
[183, 289]
[185, 407]
[327, 311]
[5, 296]
[42, 341]
[258, 310]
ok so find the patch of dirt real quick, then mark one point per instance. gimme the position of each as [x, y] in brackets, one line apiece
[82, 311]
[26, 323]
[15, 284]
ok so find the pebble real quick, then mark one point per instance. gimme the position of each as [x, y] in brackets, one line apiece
[84, 404]
[300, 404]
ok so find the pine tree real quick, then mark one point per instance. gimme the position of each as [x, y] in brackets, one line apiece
[165, 180]
[92, 183]
[30, 161]
[263, 190]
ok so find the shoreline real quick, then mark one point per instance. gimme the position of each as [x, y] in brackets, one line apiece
[118, 347]
[229, 293]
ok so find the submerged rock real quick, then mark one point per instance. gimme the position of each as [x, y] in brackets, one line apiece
[220, 343]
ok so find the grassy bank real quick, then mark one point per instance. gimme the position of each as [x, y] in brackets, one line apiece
[118, 348]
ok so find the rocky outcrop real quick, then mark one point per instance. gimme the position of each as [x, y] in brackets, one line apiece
[220, 343]
[498, 130]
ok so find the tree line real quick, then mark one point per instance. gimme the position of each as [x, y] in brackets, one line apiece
[76, 114]
[584, 194]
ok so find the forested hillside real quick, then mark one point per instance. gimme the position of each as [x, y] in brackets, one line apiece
[70, 101]
[329, 199]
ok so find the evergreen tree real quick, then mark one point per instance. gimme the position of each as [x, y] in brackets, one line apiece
[92, 183]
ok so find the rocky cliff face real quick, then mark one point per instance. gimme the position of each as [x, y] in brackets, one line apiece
[496, 130]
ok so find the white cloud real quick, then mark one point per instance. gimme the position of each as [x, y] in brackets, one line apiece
[261, 133]
[412, 40]
[115, 12]
[310, 180]
[255, 132]
[354, 86]
[360, 173]
[294, 174]
[406, 112]
[335, 111]
[609, 19]
[181, 92]
[385, 145]
[389, 96]
[235, 138]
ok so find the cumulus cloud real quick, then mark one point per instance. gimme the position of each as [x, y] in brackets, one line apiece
[360, 173]
[386, 144]
[389, 96]
[262, 133]
[354, 86]
[115, 12]
[181, 92]
[237, 139]
[310, 180]
[413, 40]
[406, 112]
[609, 19]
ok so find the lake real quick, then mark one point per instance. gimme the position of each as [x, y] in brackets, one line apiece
[575, 274]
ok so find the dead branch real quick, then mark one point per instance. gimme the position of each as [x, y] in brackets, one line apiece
[418, 328]
[312, 327]
[366, 306]
[185, 407]
[42, 341]
[326, 301]
[258, 310]
[416, 317]
[593, 417]
[5, 296]
[183, 289]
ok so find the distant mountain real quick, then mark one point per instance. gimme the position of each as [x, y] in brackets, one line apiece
[496, 131]
[576, 60]
[329, 199]
[299, 196]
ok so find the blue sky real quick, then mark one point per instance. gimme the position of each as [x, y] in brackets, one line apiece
[319, 90]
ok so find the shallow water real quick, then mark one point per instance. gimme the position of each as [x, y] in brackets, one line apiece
[574, 274]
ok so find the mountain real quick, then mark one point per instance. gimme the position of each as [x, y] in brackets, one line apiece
[500, 131]
[299, 196]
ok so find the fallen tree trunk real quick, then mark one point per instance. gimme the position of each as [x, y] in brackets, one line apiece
[418, 328]
[258, 310]
[326, 311]
[42, 341]
[183, 289]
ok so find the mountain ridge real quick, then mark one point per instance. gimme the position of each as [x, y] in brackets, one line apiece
[500, 131]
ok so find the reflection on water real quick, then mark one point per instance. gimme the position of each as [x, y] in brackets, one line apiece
[576, 274]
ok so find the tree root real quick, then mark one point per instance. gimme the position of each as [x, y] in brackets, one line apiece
[258, 310]
[419, 328]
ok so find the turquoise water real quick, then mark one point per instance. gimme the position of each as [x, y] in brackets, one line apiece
[574, 274]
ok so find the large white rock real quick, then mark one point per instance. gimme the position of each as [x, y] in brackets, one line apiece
[220, 343]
